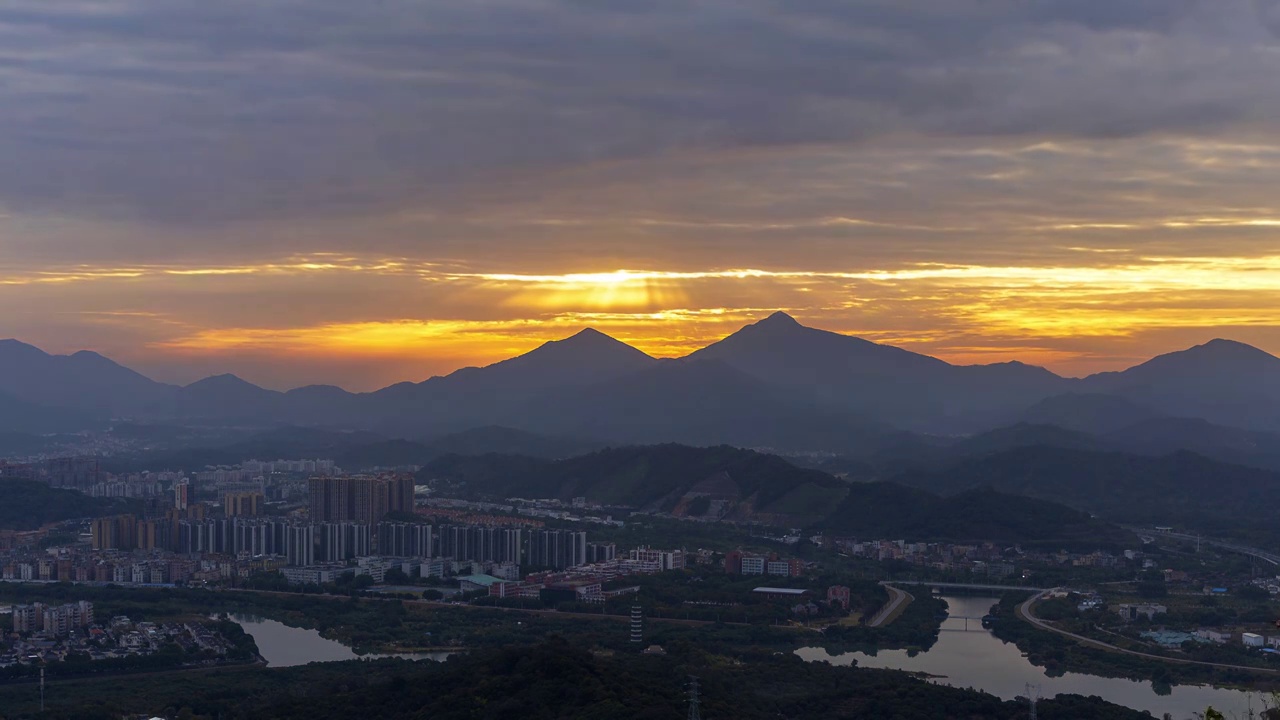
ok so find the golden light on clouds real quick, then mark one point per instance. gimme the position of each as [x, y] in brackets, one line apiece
[462, 316]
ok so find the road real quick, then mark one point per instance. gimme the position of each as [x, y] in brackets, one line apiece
[966, 586]
[898, 601]
[1024, 612]
[1263, 555]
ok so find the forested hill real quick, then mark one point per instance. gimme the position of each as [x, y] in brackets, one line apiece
[736, 484]
[27, 505]
[556, 681]
[659, 477]
[888, 510]
[1178, 489]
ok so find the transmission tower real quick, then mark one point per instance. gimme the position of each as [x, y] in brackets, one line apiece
[637, 624]
[695, 702]
[1033, 696]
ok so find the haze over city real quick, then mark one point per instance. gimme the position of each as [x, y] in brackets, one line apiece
[361, 194]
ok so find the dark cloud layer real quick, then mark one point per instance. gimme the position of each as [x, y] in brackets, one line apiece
[196, 112]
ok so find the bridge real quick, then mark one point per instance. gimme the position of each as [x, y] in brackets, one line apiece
[965, 586]
[966, 619]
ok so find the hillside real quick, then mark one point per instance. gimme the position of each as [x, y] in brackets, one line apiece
[1222, 381]
[1180, 489]
[744, 485]
[740, 484]
[888, 510]
[27, 505]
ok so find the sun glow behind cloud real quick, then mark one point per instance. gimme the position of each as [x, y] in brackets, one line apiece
[965, 313]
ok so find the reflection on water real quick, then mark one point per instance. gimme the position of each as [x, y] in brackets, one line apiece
[284, 646]
[977, 659]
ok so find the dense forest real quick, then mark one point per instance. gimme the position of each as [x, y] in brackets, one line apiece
[28, 504]
[1183, 488]
[550, 680]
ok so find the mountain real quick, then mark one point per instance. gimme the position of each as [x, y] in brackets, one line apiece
[84, 381]
[699, 402]
[1024, 435]
[28, 504]
[773, 384]
[733, 484]
[20, 416]
[739, 484]
[1093, 413]
[501, 393]
[1163, 436]
[1182, 489]
[881, 382]
[497, 439]
[227, 397]
[1223, 381]
[889, 510]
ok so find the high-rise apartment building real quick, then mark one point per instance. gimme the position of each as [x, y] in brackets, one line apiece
[360, 499]
[182, 494]
[119, 532]
[558, 549]
[243, 504]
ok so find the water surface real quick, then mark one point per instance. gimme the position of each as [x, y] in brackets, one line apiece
[977, 659]
[284, 646]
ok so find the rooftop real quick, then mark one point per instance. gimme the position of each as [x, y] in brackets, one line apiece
[779, 591]
[484, 580]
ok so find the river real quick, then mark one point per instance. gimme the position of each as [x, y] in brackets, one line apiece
[977, 659]
[284, 646]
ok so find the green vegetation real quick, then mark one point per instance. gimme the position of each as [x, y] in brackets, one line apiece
[545, 680]
[648, 476]
[765, 488]
[890, 510]
[1058, 654]
[28, 505]
[1182, 489]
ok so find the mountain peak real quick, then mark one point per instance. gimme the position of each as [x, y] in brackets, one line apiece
[225, 380]
[1223, 346]
[779, 319]
[590, 335]
[12, 345]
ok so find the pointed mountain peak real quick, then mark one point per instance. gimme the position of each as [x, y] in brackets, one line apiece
[225, 380]
[17, 346]
[587, 340]
[779, 319]
[590, 335]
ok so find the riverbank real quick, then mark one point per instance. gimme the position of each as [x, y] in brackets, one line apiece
[1059, 651]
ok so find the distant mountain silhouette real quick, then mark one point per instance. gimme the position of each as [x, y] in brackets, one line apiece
[1223, 381]
[700, 402]
[1093, 413]
[655, 477]
[743, 485]
[83, 381]
[502, 393]
[1179, 489]
[1163, 436]
[887, 509]
[497, 439]
[880, 382]
[772, 384]
[25, 418]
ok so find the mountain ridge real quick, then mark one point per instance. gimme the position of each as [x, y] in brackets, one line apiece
[809, 376]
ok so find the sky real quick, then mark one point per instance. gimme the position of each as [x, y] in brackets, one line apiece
[326, 191]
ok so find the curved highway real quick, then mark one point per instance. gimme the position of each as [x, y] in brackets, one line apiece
[1024, 612]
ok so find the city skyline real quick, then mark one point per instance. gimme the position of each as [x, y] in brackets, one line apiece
[364, 195]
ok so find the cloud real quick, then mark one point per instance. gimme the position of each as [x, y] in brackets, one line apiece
[184, 111]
